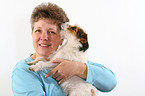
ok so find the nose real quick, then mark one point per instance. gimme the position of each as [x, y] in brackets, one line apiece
[44, 36]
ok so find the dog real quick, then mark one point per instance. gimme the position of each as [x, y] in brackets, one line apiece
[74, 49]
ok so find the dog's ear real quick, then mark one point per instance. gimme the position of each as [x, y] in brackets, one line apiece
[83, 40]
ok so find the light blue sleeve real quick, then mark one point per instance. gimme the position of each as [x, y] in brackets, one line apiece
[101, 77]
[25, 82]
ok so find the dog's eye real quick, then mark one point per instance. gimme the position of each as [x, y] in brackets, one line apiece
[73, 28]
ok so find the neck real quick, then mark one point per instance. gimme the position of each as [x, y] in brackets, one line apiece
[34, 56]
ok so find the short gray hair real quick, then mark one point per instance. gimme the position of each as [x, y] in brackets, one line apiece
[48, 11]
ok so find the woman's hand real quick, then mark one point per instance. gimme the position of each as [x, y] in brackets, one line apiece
[93, 92]
[67, 69]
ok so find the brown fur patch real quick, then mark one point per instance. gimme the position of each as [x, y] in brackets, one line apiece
[80, 34]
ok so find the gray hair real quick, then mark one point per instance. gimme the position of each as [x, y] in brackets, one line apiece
[48, 11]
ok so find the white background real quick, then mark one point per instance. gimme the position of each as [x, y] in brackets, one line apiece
[116, 30]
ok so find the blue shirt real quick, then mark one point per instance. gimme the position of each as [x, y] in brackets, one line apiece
[28, 83]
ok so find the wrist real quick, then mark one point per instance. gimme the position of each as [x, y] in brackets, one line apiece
[82, 70]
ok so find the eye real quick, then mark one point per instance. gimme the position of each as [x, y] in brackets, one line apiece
[52, 32]
[37, 30]
[73, 28]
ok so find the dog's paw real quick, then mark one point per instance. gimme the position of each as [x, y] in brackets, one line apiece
[36, 61]
[31, 68]
[34, 68]
[31, 63]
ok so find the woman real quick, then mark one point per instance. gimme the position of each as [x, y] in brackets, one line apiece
[45, 21]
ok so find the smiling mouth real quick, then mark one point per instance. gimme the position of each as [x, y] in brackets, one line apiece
[43, 45]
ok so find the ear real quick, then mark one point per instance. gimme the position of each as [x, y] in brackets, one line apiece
[64, 25]
[83, 40]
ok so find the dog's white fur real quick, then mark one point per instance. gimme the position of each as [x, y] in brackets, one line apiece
[74, 86]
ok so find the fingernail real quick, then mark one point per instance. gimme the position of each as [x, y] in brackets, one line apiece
[45, 76]
[59, 82]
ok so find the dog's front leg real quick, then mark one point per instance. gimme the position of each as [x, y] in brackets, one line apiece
[40, 58]
[38, 66]
[42, 64]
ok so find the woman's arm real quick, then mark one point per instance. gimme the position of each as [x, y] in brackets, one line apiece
[66, 69]
[101, 77]
[25, 82]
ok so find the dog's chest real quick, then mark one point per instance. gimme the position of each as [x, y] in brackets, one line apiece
[70, 53]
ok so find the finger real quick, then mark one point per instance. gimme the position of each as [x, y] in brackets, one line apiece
[61, 81]
[56, 74]
[53, 71]
[93, 92]
[59, 78]
[57, 60]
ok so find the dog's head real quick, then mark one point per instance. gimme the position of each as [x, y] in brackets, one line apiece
[80, 34]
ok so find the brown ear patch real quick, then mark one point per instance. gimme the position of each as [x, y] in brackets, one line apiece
[83, 39]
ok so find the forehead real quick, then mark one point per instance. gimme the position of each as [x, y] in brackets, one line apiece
[45, 23]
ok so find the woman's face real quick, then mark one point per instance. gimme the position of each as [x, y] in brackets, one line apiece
[46, 37]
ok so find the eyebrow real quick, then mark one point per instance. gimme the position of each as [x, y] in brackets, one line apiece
[38, 27]
[48, 29]
[51, 29]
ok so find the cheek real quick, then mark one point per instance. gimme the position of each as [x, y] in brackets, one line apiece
[56, 42]
[35, 41]
[56, 39]
[35, 38]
